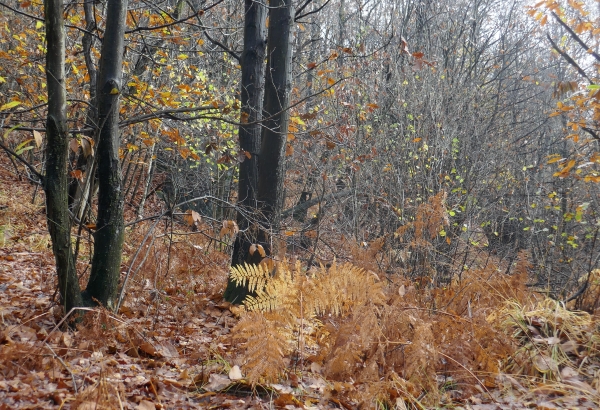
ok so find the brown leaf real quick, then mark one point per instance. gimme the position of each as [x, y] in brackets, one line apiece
[229, 228]
[66, 339]
[145, 405]
[149, 349]
[289, 150]
[74, 145]
[192, 218]
[217, 382]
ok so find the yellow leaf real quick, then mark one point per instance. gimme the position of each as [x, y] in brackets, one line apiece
[10, 105]
[554, 158]
[114, 91]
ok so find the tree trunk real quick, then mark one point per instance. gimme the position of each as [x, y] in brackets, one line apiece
[55, 182]
[253, 70]
[275, 127]
[108, 243]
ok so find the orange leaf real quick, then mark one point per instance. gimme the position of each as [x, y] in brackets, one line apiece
[192, 217]
[77, 174]
[310, 66]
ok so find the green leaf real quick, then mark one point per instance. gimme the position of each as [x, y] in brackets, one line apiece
[22, 147]
[19, 152]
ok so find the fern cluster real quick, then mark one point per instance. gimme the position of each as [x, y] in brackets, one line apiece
[287, 306]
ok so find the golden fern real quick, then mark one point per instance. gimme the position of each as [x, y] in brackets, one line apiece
[254, 277]
[282, 315]
[265, 347]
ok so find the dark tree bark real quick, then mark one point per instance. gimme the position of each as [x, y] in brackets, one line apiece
[108, 243]
[79, 194]
[55, 182]
[253, 70]
[275, 127]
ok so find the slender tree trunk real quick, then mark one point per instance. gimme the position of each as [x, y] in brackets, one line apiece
[253, 70]
[78, 192]
[277, 96]
[55, 183]
[108, 243]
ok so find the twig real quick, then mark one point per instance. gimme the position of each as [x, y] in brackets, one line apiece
[27, 164]
[57, 357]
[569, 59]
[471, 373]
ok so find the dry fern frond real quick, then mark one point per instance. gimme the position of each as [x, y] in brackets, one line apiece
[252, 276]
[286, 307]
[339, 289]
[265, 346]
[354, 338]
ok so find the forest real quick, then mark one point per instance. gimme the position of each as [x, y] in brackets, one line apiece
[312, 204]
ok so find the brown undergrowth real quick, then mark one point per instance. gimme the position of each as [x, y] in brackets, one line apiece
[346, 335]
[384, 339]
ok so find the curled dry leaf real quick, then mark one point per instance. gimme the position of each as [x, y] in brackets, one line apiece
[192, 218]
[229, 228]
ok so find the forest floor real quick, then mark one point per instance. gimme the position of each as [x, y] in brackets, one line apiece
[170, 344]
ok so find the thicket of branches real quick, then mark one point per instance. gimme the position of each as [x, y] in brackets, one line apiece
[445, 152]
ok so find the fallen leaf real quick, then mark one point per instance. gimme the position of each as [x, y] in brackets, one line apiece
[235, 373]
[145, 405]
[217, 382]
